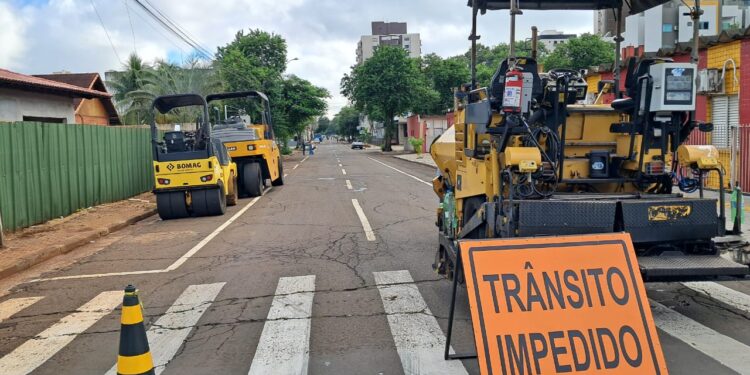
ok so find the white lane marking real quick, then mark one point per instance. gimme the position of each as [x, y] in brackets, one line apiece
[303, 160]
[284, 346]
[349, 185]
[341, 165]
[343, 171]
[37, 350]
[721, 293]
[295, 166]
[726, 350]
[12, 306]
[177, 263]
[365, 223]
[166, 336]
[338, 160]
[419, 340]
[402, 172]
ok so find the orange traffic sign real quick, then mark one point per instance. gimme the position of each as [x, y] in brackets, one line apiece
[573, 304]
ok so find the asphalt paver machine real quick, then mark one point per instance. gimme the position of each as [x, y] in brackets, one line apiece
[525, 159]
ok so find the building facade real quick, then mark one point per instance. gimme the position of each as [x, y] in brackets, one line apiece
[388, 33]
[605, 22]
[552, 38]
[35, 99]
[667, 25]
[95, 111]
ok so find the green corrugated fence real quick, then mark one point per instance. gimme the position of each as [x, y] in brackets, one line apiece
[53, 170]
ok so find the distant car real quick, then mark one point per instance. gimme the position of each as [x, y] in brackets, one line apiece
[358, 145]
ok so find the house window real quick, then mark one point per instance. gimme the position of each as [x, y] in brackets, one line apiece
[52, 120]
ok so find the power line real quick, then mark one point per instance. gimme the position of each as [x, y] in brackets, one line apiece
[198, 49]
[105, 31]
[132, 30]
[178, 28]
[160, 32]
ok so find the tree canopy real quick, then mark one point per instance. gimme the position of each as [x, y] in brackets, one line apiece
[387, 85]
[346, 122]
[582, 52]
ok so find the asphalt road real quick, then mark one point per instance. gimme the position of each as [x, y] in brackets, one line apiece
[336, 264]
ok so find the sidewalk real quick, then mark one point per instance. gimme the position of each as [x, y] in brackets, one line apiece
[33, 245]
[426, 159]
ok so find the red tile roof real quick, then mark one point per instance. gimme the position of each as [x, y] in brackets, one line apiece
[20, 81]
[91, 81]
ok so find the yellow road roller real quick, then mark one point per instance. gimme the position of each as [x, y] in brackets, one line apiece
[193, 172]
[251, 143]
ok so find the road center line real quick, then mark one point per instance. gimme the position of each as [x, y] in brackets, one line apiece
[285, 175]
[284, 346]
[12, 306]
[349, 185]
[341, 165]
[177, 263]
[402, 172]
[365, 223]
[295, 166]
[419, 340]
[166, 336]
[343, 171]
[303, 160]
[37, 350]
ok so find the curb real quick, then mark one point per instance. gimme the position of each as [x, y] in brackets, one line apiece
[53, 251]
[414, 161]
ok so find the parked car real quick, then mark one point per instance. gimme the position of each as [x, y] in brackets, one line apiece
[358, 145]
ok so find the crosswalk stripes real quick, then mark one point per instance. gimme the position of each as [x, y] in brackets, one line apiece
[167, 334]
[419, 340]
[727, 296]
[725, 350]
[13, 306]
[284, 346]
[34, 352]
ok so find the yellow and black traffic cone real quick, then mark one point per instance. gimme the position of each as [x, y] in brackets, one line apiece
[134, 357]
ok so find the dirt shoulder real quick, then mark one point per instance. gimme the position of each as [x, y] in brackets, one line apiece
[38, 243]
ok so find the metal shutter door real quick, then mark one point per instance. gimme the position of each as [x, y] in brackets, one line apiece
[719, 108]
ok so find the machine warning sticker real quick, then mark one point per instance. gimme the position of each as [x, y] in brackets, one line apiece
[668, 213]
[572, 304]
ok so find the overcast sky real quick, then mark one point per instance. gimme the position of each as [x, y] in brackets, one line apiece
[43, 36]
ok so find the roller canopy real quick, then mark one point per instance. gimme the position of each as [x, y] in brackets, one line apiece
[637, 6]
[168, 102]
[233, 95]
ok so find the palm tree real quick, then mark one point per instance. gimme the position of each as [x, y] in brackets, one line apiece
[125, 82]
[165, 78]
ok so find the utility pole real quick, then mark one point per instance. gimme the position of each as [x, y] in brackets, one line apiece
[695, 14]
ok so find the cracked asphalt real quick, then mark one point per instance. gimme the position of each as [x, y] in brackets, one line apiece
[306, 227]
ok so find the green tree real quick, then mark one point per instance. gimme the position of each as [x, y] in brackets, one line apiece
[386, 85]
[324, 126]
[489, 58]
[193, 76]
[256, 60]
[125, 82]
[582, 52]
[444, 75]
[346, 122]
[302, 102]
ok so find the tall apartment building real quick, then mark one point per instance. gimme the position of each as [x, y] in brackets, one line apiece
[551, 38]
[666, 25]
[605, 22]
[388, 33]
